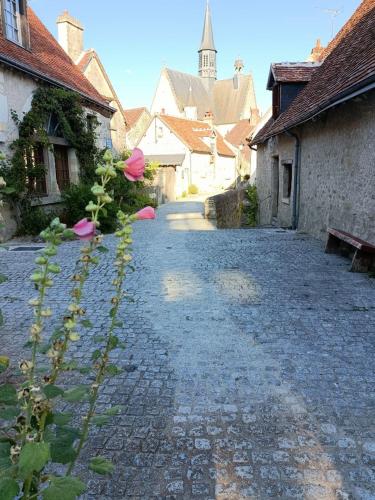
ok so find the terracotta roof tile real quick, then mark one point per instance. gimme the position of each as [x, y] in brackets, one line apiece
[239, 133]
[291, 72]
[48, 60]
[133, 115]
[349, 66]
[192, 132]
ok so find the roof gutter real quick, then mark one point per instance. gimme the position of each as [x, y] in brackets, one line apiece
[351, 93]
[35, 74]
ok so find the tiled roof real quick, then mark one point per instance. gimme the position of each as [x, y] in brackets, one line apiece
[291, 72]
[133, 115]
[348, 68]
[85, 59]
[239, 133]
[192, 132]
[227, 103]
[48, 61]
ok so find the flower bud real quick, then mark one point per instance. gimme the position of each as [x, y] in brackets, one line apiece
[40, 261]
[108, 157]
[34, 302]
[50, 251]
[25, 366]
[46, 313]
[54, 268]
[36, 277]
[35, 329]
[91, 207]
[106, 199]
[100, 170]
[73, 308]
[70, 324]
[2, 183]
[73, 336]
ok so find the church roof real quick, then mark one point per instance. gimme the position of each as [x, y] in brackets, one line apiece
[48, 61]
[348, 70]
[192, 133]
[207, 36]
[227, 103]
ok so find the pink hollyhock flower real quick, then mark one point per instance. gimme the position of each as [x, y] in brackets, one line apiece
[146, 213]
[135, 166]
[84, 229]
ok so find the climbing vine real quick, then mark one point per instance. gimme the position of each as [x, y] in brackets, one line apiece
[69, 121]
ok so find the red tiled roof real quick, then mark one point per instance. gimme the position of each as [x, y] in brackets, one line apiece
[133, 115]
[84, 60]
[48, 61]
[348, 67]
[292, 72]
[192, 132]
[239, 133]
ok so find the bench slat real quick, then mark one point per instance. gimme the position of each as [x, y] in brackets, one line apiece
[352, 240]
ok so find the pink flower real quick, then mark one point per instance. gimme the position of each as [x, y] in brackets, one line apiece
[84, 229]
[135, 166]
[146, 213]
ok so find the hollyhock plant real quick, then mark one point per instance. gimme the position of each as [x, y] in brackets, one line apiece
[134, 166]
[84, 229]
[145, 213]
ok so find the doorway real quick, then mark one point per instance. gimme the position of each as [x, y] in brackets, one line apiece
[275, 186]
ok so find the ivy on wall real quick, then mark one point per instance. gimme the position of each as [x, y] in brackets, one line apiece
[65, 108]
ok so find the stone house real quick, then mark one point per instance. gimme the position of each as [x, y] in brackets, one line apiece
[189, 96]
[137, 120]
[31, 57]
[189, 152]
[71, 39]
[316, 154]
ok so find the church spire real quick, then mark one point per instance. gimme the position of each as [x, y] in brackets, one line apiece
[207, 51]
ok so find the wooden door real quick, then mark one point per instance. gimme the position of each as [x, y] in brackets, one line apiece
[61, 166]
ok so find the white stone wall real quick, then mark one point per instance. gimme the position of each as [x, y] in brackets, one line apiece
[134, 135]
[337, 181]
[164, 99]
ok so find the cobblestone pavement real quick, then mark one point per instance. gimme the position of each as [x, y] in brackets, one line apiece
[249, 367]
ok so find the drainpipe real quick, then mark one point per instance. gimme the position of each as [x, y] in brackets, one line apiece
[296, 183]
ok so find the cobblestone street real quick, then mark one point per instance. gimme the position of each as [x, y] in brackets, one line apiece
[249, 368]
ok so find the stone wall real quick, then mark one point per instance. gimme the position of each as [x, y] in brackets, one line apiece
[226, 208]
[337, 177]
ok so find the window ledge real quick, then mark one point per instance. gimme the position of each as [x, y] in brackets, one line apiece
[286, 201]
[47, 200]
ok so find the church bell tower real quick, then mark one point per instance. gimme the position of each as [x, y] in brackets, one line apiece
[207, 52]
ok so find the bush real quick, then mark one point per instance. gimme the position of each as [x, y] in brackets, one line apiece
[193, 189]
[33, 219]
[252, 209]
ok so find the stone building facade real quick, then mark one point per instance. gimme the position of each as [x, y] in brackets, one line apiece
[137, 120]
[22, 71]
[316, 159]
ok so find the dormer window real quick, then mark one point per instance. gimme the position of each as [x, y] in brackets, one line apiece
[15, 22]
[12, 20]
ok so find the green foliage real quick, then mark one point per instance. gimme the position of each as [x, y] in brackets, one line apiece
[33, 458]
[32, 219]
[63, 488]
[252, 209]
[193, 189]
[9, 488]
[101, 465]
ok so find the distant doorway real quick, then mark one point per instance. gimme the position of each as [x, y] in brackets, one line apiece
[62, 167]
[275, 186]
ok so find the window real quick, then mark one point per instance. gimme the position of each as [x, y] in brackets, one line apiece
[92, 122]
[12, 20]
[205, 60]
[287, 180]
[61, 167]
[36, 171]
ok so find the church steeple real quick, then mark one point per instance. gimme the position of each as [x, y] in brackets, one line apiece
[207, 51]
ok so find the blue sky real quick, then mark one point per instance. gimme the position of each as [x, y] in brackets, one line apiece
[135, 39]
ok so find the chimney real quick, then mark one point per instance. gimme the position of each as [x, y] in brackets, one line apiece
[317, 52]
[70, 35]
[209, 118]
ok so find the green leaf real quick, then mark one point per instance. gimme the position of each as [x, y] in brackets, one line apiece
[4, 363]
[33, 458]
[99, 338]
[112, 370]
[3, 278]
[52, 391]
[85, 370]
[76, 394]
[9, 413]
[62, 450]
[8, 190]
[113, 342]
[86, 323]
[64, 488]
[115, 410]
[62, 418]
[100, 420]
[101, 465]
[5, 461]
[103, 249]
[9, 488]
[8, 394]
[96, 355]
[118, 324]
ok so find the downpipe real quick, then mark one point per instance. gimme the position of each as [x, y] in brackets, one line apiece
[296, 179]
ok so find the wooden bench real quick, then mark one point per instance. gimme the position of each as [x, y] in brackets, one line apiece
[364, 254]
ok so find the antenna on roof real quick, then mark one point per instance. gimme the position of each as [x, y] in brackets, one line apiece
[333, 13]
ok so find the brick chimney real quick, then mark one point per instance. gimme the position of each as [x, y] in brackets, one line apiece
[70, 35]
[209, 118]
